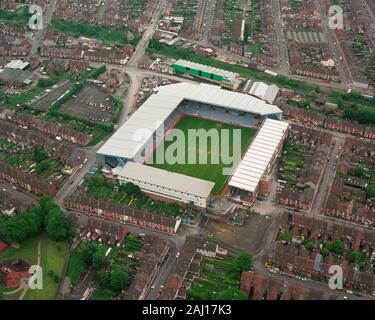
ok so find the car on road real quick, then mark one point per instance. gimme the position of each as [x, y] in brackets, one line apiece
[142, 235]
[178, 254]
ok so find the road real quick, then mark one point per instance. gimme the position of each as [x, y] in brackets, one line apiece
[283, 44]
[208, 21]
[41, 34]
[327, 177]
[332, 44]
[147, 35]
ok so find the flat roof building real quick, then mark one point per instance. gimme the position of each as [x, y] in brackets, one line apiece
[17, 64]
[260, 156]
[264, 91]
[227, 78]
[166, 184]
[15, 77]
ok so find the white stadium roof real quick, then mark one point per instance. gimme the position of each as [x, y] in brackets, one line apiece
[258, 156]
[139, 128]
[264, 91]
[166, 179]
[197, 66]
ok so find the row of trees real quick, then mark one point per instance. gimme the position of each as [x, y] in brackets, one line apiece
[46, 216]
[360, 116]
[93, 256]
[102, 32]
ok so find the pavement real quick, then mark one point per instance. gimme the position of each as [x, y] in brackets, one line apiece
[283, 44]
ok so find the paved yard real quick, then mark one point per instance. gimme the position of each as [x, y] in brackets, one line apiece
[241, 238]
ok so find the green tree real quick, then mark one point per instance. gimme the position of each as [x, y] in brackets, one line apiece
[362, 265]
[325, 252]
[243, 262]
[97, 259]
[119, 280]
[57, 225]
[39, 154]
[360, 172]
[87, 252]
[309, 245]
[12, 230]
[231, 294]
[338, 247]
[370, 192]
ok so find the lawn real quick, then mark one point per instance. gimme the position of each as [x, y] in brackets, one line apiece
[210, 171]
[18, 17]
[28, 251]
[102, 295]
[53, 258]
[75, 268]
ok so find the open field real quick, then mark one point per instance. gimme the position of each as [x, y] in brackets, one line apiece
[210, 171]
[19, 17]
[28, 251]
[53, 258]
[53, 255]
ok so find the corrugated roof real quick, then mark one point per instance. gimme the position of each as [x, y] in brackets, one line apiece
[167, 179]
[257, 158]
[264, 91]
[197, 66]
[159, 106]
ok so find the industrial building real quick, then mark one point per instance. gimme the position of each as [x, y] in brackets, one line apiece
[15, 77]
[265, 92]
[146, 128]
[165, 185]
[260, 157]
[223, 77]
[17, 65]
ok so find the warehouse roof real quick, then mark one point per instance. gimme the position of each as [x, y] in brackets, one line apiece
[264, 91]
[166, 179]
[139, 128]
[197, 66]
[258, 156]
[17, 64]
[15, 75]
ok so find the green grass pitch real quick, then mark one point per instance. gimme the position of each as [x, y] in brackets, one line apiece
[209, 171]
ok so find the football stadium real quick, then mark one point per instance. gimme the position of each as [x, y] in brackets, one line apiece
[132, 151]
